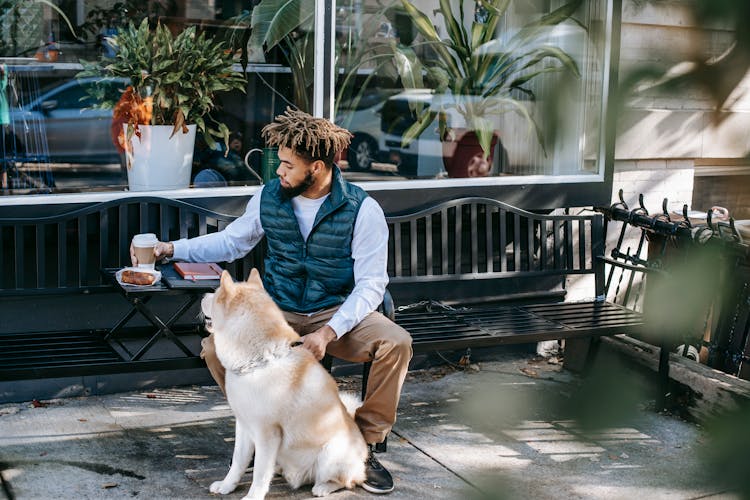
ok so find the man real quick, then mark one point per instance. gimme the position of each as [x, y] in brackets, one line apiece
[325, 268]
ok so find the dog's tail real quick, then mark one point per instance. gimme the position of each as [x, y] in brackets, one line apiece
[351, 402]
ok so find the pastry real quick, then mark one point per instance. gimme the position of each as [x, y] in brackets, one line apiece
[137, 277]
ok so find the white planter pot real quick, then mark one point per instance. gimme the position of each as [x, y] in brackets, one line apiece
[158, 162]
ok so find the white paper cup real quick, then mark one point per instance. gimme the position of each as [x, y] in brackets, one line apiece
[143, 246]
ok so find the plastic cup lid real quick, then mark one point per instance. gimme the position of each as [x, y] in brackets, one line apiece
[145, 240]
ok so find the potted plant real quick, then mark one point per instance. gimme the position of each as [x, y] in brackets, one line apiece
[287, 26]
[477, 76]
[173, 84]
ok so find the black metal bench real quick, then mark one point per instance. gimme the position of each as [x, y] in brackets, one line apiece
[64, 255]
[466, 273]
[477, 272]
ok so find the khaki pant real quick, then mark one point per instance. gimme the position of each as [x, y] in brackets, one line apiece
[376, 339]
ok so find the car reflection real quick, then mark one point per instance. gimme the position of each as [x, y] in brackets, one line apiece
[62, 124]
[362, 118]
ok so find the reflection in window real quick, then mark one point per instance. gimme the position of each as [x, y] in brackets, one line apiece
[58, 139]
[522, 98]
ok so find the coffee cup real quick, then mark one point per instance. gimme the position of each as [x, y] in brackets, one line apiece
[143, 247]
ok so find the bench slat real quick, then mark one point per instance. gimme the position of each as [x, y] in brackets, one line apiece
[457, 240]
[398, 266]
[103, 239]
[444, 240]
[82, 231]
[62, 254]
[503, 250]
[123, 238]
[40, 252]
[474, 235]
[413, 248]
[516, 242]
[581, 253]
[428, 246]
[20, 252]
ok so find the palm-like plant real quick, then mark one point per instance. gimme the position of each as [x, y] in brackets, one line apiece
[288, 24]
[476, 73]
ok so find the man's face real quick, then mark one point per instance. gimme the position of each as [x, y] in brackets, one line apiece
[295, 173]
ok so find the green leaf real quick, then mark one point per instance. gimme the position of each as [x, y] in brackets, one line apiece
[561, 14]
[224, 132]
[419, 126]
[456, 31]
[409, 68]
[495, 7]
[173, 78]
[485, 130]
[162, 65]
[272, 20]
[200, 124]
[427, 30]
[163, 101]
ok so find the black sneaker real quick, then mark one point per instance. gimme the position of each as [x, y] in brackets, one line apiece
[379, 480]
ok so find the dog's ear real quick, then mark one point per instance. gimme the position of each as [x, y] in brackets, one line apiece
[226, 279]
[255, 278]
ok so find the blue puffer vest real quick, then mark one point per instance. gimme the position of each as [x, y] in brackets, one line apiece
[319, 273]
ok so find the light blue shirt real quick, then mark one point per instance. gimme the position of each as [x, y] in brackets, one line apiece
[369, 251]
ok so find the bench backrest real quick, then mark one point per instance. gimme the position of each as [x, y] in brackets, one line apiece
[469, 247]
[484, 248]
[64, 253]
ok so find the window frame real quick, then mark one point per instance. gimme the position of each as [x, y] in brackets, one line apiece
[525, 191]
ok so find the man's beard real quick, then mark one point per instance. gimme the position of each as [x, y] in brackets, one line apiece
[292, 191]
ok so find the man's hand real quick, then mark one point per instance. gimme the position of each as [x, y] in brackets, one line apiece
[317, 341]
[162, 249]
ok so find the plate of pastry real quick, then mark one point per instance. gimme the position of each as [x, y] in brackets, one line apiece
[138, 276]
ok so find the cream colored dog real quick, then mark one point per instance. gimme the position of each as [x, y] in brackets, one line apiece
[286, 406]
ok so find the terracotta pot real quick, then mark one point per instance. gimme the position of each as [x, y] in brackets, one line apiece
[464, 157]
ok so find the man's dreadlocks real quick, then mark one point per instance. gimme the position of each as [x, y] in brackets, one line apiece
[311, 138]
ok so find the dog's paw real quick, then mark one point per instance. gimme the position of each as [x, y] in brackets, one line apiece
[222, 487]
[324, 489]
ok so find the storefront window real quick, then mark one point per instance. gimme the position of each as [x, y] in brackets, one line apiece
[496, 92]
[389, 75]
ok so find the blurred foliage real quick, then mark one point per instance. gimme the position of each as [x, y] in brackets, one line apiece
[607, 397]
[725, 452]
[678, 303]
[567, 409]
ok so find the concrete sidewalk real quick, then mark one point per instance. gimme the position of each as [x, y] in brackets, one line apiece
[460, 434]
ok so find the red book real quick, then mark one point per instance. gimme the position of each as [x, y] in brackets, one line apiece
[198, 270]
